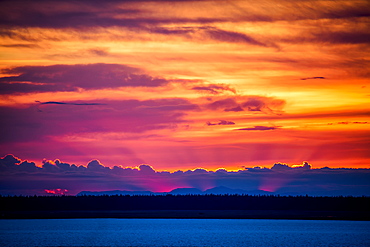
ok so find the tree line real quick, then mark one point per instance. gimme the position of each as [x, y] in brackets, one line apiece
[183, 202]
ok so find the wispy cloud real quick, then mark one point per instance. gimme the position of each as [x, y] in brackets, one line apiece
[313, 78]
[66, 103]
[214, 88]
[73, 77]
[221, 122]
[248, 103]
[349, 123]
[261, 128]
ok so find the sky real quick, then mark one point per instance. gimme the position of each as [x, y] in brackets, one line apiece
[181, 85]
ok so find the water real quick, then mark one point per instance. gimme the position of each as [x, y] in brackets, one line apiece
[183, 232]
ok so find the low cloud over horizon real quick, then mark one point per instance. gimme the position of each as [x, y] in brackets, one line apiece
[21, 177]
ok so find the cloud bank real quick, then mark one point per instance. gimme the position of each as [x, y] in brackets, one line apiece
[57, 177]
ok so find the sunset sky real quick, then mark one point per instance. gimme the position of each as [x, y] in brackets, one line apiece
[186, 84]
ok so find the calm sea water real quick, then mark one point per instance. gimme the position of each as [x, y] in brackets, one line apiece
[183, 232]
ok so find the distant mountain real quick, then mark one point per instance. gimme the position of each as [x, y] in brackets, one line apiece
[114, 192]
[259, 192]
[221, 190]
[186, 191]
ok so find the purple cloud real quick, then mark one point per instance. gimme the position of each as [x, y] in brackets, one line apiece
[232, 37]
[221, 122]
[347, 37]
[263, 104]
[261, 128]
[313, 78]
[66, 103]
[248, 103]
[48, 119]
[211, 33]
[91, 14]
[234, 109]
[74, 77]
[75, 15]
[223, 104]
[214, 88]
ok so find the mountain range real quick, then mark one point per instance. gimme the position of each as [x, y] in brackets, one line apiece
[221, 190]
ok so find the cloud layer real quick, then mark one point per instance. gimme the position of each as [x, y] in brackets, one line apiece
[57, 177]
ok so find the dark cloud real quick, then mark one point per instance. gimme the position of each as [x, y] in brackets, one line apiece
[8, 161]
[210, 33]
[249, 103]
[313, 78]
[285, 167]
[66, 103]
[348, 37]
[146, 169]
[261, 128]
[281, 167]
[254, 104]
[54, 78]
[235, 109]
[339, 11]
[223, 104]
[126, 13]
[20, 46]
[233, 37]
[95, 165]
[221, 122]
[360, 122]
[214, 88]
[23, 177]
[263, 104]
[87, 15]
[91, 14]
[66, 14]
[355, 36]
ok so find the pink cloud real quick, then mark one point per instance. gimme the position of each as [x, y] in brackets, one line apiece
[56, 191]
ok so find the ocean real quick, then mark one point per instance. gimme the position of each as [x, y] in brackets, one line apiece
[183, 232]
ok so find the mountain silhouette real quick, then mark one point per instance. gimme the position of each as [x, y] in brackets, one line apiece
[115, 192]
[220, 190]
[186, 191]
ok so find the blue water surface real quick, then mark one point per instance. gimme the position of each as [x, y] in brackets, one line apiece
[183, 232]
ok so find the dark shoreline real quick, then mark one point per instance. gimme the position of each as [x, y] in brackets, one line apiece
[190, 214]
[186, 207]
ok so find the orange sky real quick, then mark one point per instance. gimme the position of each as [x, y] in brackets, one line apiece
[186, 84]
